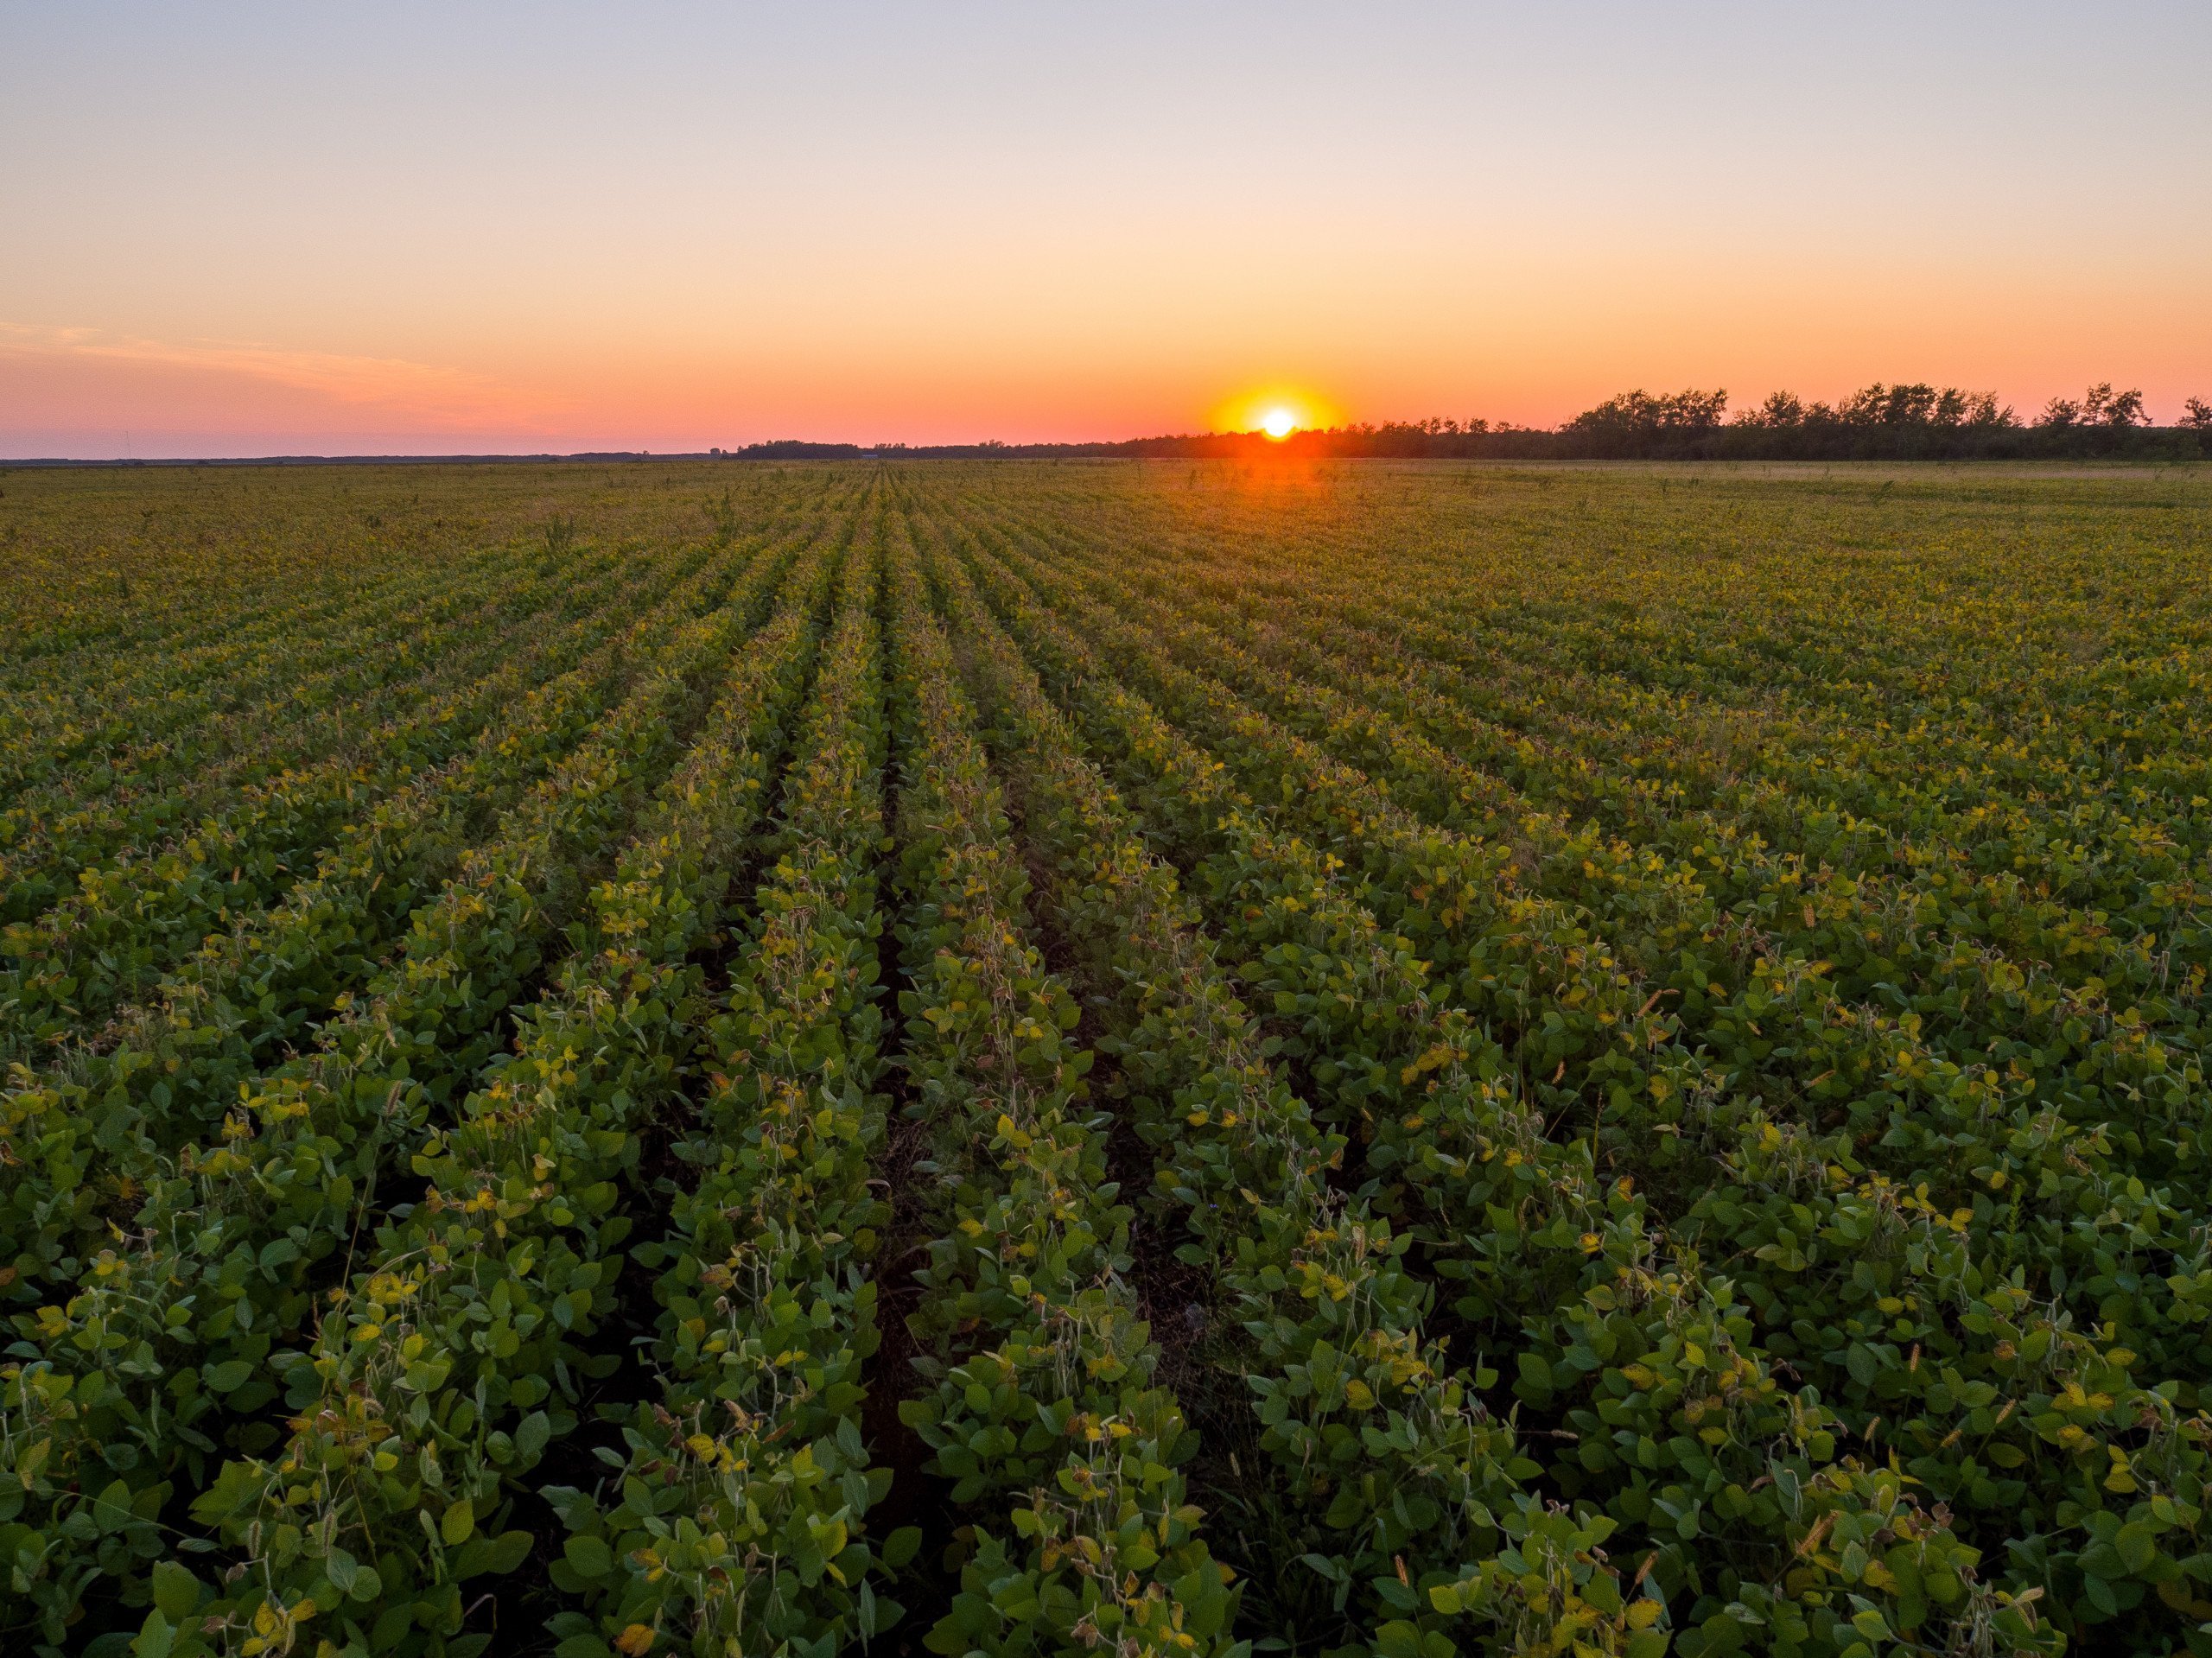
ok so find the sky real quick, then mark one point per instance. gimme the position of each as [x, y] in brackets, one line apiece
[454, 228]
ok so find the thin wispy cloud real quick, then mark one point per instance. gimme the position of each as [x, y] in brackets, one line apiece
[435, 395]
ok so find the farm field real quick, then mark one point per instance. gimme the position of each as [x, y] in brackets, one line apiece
[1140, 1058]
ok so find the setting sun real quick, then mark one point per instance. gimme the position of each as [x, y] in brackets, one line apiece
[1275, 410]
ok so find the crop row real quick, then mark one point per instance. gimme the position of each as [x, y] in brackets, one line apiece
[1040, 1401]
[165, 1342]
[1354, 1004]
[1811, 1040]
[447, 1364]
[1502, 1247]
[742, 1486]
[86, 814]
[130, 921]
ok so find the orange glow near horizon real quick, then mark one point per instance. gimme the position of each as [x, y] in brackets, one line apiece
[89, 390]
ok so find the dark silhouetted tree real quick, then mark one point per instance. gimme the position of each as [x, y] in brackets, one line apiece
[2100, 406]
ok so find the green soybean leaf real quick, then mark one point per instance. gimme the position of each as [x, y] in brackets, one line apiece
[590, 1556]
[229, 1377]
[176, 1592]
[155, 1637]
[901, 1547]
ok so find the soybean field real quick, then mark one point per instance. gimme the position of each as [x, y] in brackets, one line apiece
[1129, 1058]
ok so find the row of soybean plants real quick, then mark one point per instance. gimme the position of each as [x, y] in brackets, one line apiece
[108, 712]
[252, 993]
[451, 1358]
[1972, 1013]
[1040, 1401]
[389, 657]
[1945, 1120]
[1554, 675]
[2077, 1212]
[64, 972]
[1916, 703]
[185, 1235]
[1528, 1225]
[1447, 1142]
[734, 1515]
[1669, 924]
[2076, 867]
[287, 688]
[1924, 1117]
[2026, 943]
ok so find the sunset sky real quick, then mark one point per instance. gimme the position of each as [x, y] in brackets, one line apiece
[231, 229]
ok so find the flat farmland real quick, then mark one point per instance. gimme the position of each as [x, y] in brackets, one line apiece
[1028, 1058]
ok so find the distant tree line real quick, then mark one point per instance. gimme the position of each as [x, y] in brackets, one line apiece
[1881, 422]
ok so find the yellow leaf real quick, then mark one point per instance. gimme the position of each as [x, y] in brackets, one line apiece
[459, 1521]
[634, 1642]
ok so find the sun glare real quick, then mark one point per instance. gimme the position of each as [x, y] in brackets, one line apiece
[1275, 410]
